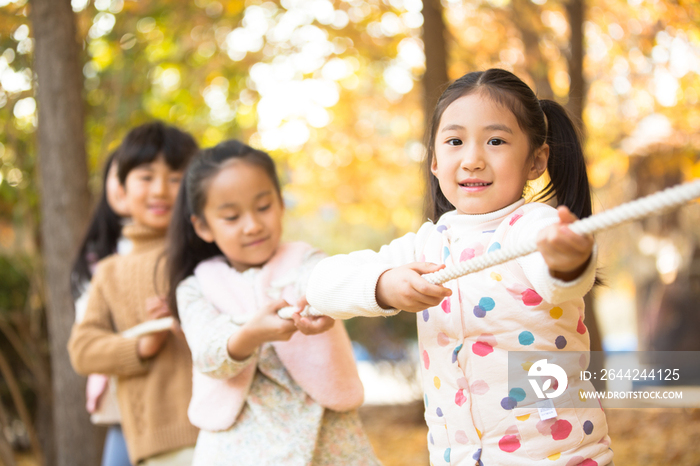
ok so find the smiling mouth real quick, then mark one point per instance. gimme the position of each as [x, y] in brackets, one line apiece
[474, 185]
[257, 242]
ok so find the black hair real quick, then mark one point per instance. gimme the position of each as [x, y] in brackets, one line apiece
[147, 142]
[543, 121]
[100, 239]
[185, 249]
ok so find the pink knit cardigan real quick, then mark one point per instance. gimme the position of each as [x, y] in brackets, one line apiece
[322, 365]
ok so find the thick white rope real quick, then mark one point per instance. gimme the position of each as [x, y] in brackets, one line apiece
[634, 210]
[148, 327]
[284, 313]
[640, 208]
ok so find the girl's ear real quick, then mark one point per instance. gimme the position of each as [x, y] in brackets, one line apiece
[120, 201]
[433, 165]
[202, 229]
[539, 162]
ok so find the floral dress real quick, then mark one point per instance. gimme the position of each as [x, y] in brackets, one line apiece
[279, 423]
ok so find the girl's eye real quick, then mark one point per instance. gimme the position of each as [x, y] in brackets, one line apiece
[454, 142]
[146, 178]
[264, 208]
[496, 142]
[232, 218]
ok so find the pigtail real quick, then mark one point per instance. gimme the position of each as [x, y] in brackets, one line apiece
[184, 248]
[566, 164]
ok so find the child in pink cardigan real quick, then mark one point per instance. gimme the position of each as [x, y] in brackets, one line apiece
[262, 393]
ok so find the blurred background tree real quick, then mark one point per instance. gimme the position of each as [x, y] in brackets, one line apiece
[337, 91]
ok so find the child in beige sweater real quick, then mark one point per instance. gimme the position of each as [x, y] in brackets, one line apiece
[154, 371]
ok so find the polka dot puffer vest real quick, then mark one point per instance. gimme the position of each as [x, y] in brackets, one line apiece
[472, 415]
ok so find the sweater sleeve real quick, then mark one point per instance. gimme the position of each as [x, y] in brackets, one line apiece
[551, 289]
[95, 348]
[344, 286]
[207, 332]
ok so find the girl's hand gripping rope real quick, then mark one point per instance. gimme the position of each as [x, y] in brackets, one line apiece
[310, 324]
[404, 288]
[149, 345]
[262, 327]
[566, 253]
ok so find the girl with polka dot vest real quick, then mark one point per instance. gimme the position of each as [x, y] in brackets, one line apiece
[489, 137]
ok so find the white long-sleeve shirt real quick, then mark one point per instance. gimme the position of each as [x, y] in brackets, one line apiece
[344, 286]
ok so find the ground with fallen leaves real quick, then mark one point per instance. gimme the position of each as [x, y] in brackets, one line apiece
[640, 437]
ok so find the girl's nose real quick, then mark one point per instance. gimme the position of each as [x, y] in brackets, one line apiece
[472, 159]
[252, 224]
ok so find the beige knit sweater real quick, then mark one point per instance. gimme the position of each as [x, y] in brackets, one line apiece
[153, 394]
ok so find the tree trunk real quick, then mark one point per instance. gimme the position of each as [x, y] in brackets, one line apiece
[577, 86]
[577, 97]
[435, 78]
[64, 202]
[526, 17]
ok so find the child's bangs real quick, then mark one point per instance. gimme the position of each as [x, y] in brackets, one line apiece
[178, 149]
[506, 100]
[148, 142]
[527, 121]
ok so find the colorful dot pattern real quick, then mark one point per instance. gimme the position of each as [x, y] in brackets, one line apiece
[464, 345]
